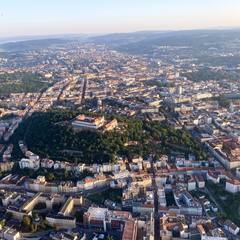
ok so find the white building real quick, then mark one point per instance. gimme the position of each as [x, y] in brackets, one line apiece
[29, 163]
[231, 227]
[10, 234]
[213, 176]
[232, 185]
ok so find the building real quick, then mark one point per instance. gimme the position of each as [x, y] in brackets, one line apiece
[106, 219]
[226, 154]
[6, 166]
[232, 185]
[64, 218]
[213, 176]
[32, 161]
[96, 217]
[231, 227]
[186, 203]
[61, 222]
[47, 163]
[143, 208]
[162, 197]
[209, 232]
[68, 236]
[200, 181]
[10, 234]
[111, 125]
[130, 230]
[172, 227]
[83, 122]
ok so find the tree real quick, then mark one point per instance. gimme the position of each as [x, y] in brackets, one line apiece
[8, 216]
[79, 216]
[2, 223]
[222, 215]
[50, 176]
[33, 227]
[26, 220]
[224, 102]
[50, 134]
[26, 223]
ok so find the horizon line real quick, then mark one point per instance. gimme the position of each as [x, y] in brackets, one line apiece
[18, 38]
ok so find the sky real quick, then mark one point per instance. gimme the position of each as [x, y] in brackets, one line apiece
[49, 17]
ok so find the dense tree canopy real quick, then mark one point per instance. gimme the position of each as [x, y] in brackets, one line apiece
[51, 135]
[206, 75]
[19, 82]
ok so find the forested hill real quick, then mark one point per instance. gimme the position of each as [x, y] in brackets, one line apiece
[145, 42]
[50, 135]
[32, 44]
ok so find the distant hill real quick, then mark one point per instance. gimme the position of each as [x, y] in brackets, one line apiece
[116, 39]
[146, 42]
[32, 44]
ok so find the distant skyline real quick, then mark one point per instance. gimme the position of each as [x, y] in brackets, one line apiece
[50, 17]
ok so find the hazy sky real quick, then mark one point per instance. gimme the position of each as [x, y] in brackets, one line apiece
[40, 17]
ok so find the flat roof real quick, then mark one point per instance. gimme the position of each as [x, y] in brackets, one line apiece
[98, 213]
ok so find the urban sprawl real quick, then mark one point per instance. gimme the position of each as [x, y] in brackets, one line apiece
[173, 195]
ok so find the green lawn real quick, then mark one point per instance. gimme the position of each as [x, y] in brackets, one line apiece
[111, 194]
[22, 82]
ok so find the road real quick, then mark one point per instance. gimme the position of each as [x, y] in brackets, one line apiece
[156, 215]
[85, 82]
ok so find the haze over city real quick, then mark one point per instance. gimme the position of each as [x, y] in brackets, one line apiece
[44, 17]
